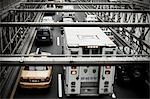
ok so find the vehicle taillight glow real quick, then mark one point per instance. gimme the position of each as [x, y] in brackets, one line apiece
[73, 72]
[108, 67]
[107, 72]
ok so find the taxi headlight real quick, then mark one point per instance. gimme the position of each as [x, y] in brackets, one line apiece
[21, 79]
[47, 78]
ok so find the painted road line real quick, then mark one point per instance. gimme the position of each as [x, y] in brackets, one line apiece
[59, 86]
[58, 41]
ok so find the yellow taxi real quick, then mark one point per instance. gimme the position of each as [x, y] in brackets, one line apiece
[35, 76]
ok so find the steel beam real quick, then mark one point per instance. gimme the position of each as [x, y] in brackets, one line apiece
[82, 10]
[75, 3]
[138, 39]
[141, 3]
[146, 43]
[68, 60]
[73, 24]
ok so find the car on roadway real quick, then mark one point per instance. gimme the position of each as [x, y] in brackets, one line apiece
[50, 6]
[68, 14]
[48, 19]
[59, 1]
[33, 76]
[91, 18]
[68, 20]
[44, 36]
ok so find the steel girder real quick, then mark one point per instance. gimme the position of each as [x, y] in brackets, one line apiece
[11, 37]
[22, 60]
[100, 24]
[132, 3]
[75, 3]
[140, 32]
[82, 10]
[10, 40]
[133, 37]
[74, 24]
[140, 4]
[110, 6]
[104, 7]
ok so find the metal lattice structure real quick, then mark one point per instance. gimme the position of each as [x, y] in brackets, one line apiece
[136, 38]
[74, 59]
[106, 11]
[12, 40]
[130, 26]
[11, 37]
[129, 22]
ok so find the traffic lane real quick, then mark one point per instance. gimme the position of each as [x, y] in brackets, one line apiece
[79, 16]
[132, 90]
[52, 91]
[57, 49]
[54, 48]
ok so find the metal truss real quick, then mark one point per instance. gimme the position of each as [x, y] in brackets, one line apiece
[82, 10]
[134, 4]
[136, 38]
[111, 5]
[73, 24]
[22, 60]
[145, 4]
[124, 21]
[75, 3]
[115, 5]
[136, 35]
[11, 38]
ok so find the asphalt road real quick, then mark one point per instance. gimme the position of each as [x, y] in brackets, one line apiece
[136, 90]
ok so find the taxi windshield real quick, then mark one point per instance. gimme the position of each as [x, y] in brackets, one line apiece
[36, 68]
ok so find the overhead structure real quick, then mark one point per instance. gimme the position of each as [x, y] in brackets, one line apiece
[131, 37]
[75, 3]
[19, 60]
[82, 10]
[73, 24]
[129, 21]
[120, 11]
[12, 41]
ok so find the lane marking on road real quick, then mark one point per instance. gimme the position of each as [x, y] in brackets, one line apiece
[58, 41]
[60, 85]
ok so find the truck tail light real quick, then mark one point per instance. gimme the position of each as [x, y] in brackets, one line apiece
[73, 72]
[107, 72]
[108, 67]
